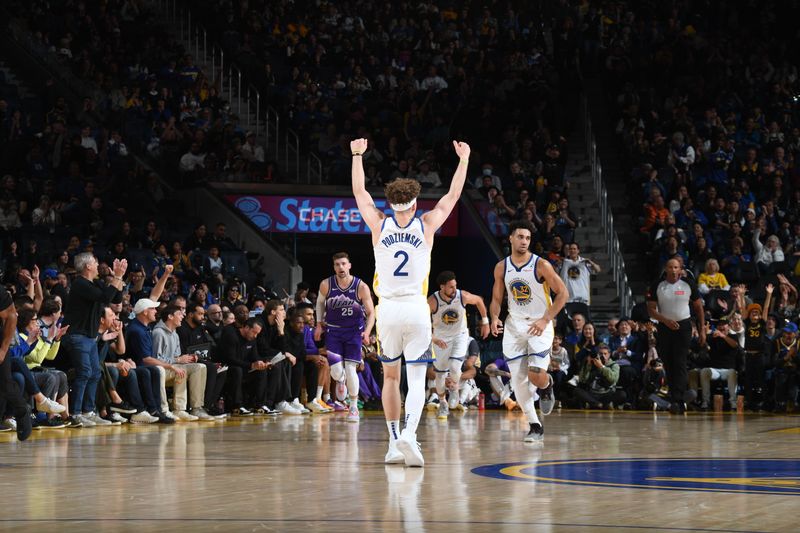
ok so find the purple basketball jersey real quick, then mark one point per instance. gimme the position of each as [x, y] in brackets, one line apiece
[343, 309]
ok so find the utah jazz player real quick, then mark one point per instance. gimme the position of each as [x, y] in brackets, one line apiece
[450, 334]
[528, 331]
[402, 245]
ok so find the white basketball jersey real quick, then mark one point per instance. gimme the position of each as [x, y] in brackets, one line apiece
[576, 276]
[402, 260]
[450, 318]
[527, 297]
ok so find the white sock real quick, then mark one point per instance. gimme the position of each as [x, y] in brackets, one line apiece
[394, 430]
[440, 379]
[415, 400]
[522, 390]
[326, 397]
[319, 392]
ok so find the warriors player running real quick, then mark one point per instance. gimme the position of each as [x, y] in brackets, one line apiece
[450, 334]
[528, 331]
[344, 304]
[402, 245]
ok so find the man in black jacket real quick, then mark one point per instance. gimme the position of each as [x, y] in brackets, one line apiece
[196, 340]
[238, 350]
[273, 342]
[82, 312]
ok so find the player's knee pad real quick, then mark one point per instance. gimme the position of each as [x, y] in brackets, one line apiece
[337, 372]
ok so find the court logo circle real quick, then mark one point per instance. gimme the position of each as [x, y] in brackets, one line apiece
[732, 475]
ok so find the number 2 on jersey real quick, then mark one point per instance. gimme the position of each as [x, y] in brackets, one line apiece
[399, 270]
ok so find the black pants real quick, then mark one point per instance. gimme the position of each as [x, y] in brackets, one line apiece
[10, 395]
[149, 381]
[233, 388]
[215, 382]
[630, 380]
[673, 348]
[754, 377]
[256, 383]
[279, 388]
[581, 396]
[785, 385]
[304, 369]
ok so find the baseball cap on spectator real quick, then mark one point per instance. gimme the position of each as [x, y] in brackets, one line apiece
[50, 273]
[143, 305]
[790, 327]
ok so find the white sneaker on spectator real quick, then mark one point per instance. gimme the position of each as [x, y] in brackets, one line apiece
[116, 417]
[169, 414]
[201, 414]
[97, 419]
[287, 408]
[49, 406]
[412, 452]
[10, 423]
[299, 406]
[84, 421]
[184, 416]
[144, 418]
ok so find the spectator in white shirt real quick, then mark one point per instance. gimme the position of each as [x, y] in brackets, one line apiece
[251, 151]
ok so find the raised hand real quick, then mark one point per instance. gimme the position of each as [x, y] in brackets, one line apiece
[462, 149]
[358, 146]
[120, 267]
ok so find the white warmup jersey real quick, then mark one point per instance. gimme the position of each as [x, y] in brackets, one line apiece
[450, 318]
[402, 260]
[402, 267]
[528, 300]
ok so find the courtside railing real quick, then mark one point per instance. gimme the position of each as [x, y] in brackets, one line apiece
[244, 98]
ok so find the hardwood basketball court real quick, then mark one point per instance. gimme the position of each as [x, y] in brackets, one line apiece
[597, 471]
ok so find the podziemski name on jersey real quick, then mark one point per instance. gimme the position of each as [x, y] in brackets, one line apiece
[396, 238]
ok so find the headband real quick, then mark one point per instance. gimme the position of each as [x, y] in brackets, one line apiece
[403, 207]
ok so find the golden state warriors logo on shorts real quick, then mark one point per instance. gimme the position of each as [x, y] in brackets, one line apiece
[748, 476]
[449, 317]
[520, 291]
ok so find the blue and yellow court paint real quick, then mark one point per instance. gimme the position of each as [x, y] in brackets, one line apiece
[732, 475]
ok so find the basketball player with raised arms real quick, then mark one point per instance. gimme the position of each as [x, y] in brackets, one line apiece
[402, 245]
[344, 305]
[528, 330]
[450, 334]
